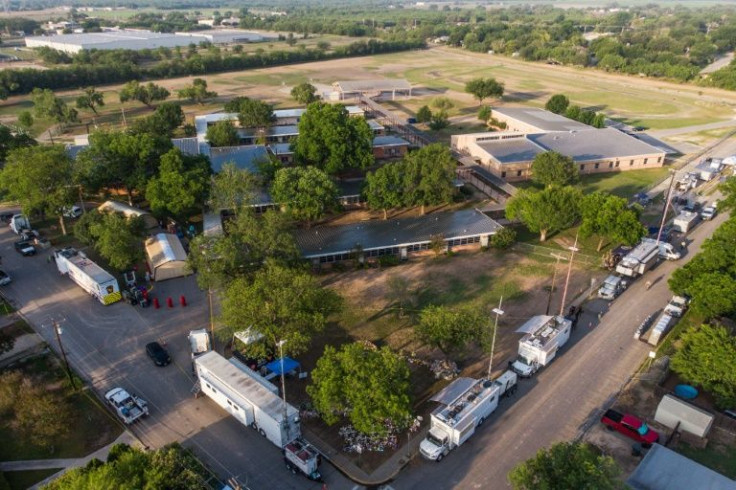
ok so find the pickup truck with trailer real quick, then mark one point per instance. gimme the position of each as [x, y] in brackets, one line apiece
[128, 407]
[464, 405]
[630, 426]
[545, 335]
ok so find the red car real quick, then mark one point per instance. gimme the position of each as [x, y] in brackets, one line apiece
[630, 426]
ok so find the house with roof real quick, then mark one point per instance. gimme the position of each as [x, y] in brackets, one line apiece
[664, 469]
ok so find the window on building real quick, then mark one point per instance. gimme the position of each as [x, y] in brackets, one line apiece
[659, 159]
[518, 173]
[631, 163]
[616, 163]
[597, 165]
[646, 160]
[582, 167]
[610, 164]
[503, 174]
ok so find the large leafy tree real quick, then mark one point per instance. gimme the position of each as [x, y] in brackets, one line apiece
[171, 467]
[222, 133]
[11, 139]
[331, 140]
[165, 119]
[609, 216]
[707, 357]
[147, 94]
[483, 88]
[424, 114]
[118, 239]
[39, 177]
[197, 91]
[307, 193]
[181, 186]
[233, 189]
[304, 93]
[558, 104]
[547, 211]
[451, 330]
[254, 113]
[552, 168]
[567, 465]
[370, 385]
[279, 303]
[429, 174]
[384, 188]
[48, 105]
[90, 99]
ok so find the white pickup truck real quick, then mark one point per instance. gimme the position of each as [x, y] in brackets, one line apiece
[128, 407]
[677, 306]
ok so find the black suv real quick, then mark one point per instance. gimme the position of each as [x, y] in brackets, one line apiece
[159, 355]
[25, 248]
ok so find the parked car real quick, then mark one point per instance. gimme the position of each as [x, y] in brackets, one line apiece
[630, 426]
[25, 248]
[708, 212]
[4, 278]
[72, 212]
[159, 355]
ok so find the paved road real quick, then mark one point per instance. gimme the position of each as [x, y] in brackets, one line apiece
[106, 346]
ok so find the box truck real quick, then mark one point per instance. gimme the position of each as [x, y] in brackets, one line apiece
[545, 335]
[88, 275]
[640, 259]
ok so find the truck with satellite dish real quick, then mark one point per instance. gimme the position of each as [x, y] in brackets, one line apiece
[544, 337]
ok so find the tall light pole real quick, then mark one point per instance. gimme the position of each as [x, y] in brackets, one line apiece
[498, 311]
[573, 249]
[552, 288]
[283, 386]
[57, 331]
[666, 206]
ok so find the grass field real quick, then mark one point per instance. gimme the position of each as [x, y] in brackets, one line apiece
[716, 457]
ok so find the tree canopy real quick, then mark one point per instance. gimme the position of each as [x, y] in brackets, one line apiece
[609, 216]
[424, 114]
[370, 385]
[252, 113]
[90, 99]
[222, 133]
[197, 91]
[165, 119]
[707, 357]
[306, 193]
[181, 186]
[567, 465]
[279, 303]
[11, 139]
[233, 189]
[48, 105]
[304, 93]
[331, 140]
[451, 330]
[429, 175]
[116, 238]
[384, 188]
[547, 211]
[483, 88]
[552, 168]
[558, 104]
[147, 94]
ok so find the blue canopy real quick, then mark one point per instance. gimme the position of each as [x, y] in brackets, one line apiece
[289, 365]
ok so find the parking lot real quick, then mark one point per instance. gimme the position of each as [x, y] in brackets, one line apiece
[106, 347]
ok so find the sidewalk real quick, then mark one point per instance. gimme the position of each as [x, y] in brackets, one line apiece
[66, 464]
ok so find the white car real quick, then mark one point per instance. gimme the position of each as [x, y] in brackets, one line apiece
[72, 212]
[708, 212]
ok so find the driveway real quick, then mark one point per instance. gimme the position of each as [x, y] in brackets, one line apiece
[105, 345]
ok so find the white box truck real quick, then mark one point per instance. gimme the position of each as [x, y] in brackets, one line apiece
[685, 221]
[88, 275]
[464, 405]
[664, 322]
[640, 259]
[545, 335]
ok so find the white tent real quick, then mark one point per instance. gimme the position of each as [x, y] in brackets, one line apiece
[692, 419]
[128, 211]
[166, 257]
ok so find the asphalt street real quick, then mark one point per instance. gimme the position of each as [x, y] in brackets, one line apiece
[105, 345]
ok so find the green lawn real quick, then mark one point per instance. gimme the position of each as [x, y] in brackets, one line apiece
[624, 184]
[21, 480]
[716, 457]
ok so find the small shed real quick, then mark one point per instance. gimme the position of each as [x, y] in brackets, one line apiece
[166, 257]
[129, 212]
[692, 419]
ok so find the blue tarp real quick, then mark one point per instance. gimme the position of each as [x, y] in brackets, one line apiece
[289, 365]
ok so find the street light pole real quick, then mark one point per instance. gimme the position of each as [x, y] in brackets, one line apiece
[498, 311]
[552, 288]
[57, 331]
[283, 385]
[666, 206]
[573, 249]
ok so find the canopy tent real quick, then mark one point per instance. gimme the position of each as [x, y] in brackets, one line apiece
[289, 366]
[166, 257]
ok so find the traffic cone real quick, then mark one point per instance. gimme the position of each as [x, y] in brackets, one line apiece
[156, 304]
[182, 300]
[169, 302]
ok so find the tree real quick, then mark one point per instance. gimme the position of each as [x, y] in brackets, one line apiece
[281, 304]
[483, 88]
[442, 103]
[168, 116]
[25, 119]
[90, 99]
[566, 465]
[552, 168]
[384, 188]
[429, 175]
[11, 139]
[707, 357]
[47, 105]
[119, 239]
[439, 121]
[307, 193]
[146, 94]
[222, 133]
[331, 140]
[450, 330]
[181, 186]
[38, 178]
[304, 93]
[197, 91]
[253, 113]
[424, 114]
[557, 103]
[485, 113]
[546, 211]
[609, 216]
[370, 385]
[233, 189]
[503, 239]
[171, 467]
[398, 290]
[728, 188]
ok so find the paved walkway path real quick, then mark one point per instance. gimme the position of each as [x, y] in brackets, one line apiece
[65, 464]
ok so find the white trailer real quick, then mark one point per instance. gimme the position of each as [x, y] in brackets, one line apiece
[545, 335]
[248, 400]
[506, 383]
[640, 259]
[88, 275]
[464, 405]
[685, 221]
[660, 329]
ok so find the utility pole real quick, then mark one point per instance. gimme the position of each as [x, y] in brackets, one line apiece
[283, 386]
[552, 288]
[573, 249]
[666, 206]
[498, 311]
[57, 331]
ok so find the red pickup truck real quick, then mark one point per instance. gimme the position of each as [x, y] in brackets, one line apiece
[630, 426]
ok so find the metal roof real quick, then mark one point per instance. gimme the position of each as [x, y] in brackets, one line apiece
[244, 157]
[122, 37]
[281, 148]
[664, 469]
[188, 146]
[512, 150]
[541, 119]
[285, 113]
[328, 240]
[382, 141]
[386, 84]
[594, 144]
[271, 131]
